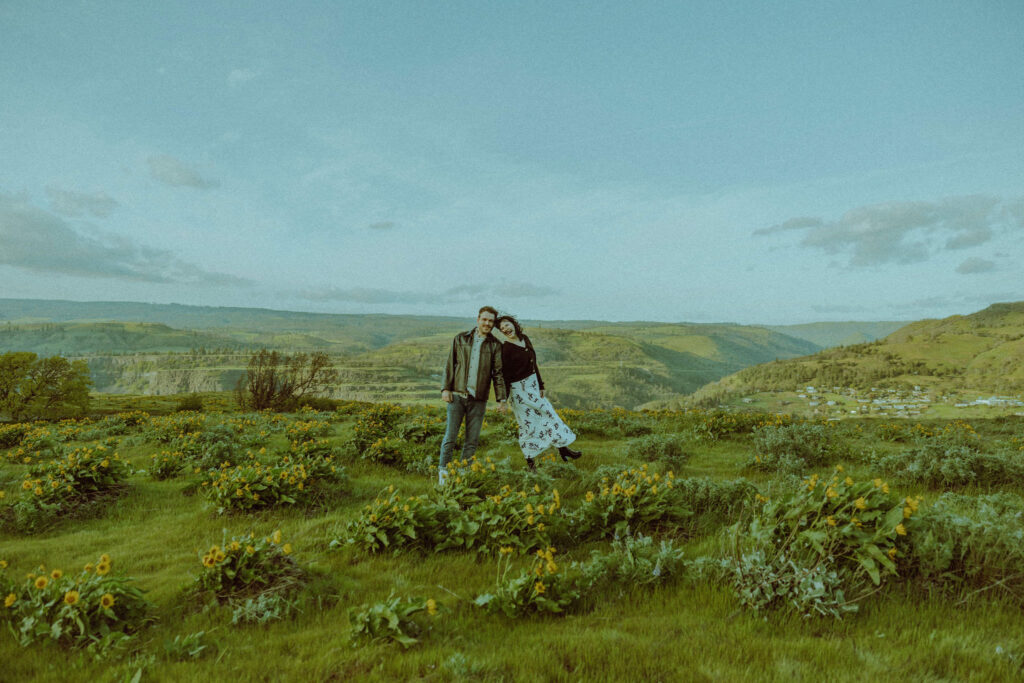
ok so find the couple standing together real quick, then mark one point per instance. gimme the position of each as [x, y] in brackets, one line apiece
[478, 358]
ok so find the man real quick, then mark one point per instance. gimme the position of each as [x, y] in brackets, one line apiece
[474, 362]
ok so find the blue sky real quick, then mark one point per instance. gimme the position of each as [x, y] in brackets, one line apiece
[681, 161]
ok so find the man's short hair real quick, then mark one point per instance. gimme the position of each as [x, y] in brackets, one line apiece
[490, 309]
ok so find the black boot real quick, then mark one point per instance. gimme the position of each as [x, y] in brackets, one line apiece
[568, 453]
[531, 465]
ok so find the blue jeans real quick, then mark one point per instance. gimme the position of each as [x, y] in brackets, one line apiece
[470, 410]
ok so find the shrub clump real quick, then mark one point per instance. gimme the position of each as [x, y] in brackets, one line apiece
[247, 566]
[93, 609]
[66, 485]
[969, 542]
[938, 464]
[794, 447]
[658, 448]
[818, 549]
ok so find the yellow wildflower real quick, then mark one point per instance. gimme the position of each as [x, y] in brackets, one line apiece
[107, 601]
[287, 549]
[539, 587]
[41, 582]
[861, 503]
[431, 607]
[10, 599]
[56, 574]
[71, 597]
[277, 536]
[102, 568]
[848, 481]
[901, 530]
[830, 520]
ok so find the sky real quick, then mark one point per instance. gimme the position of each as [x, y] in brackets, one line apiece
[684, 161]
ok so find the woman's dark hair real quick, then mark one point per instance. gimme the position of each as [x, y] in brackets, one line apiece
[511, 319]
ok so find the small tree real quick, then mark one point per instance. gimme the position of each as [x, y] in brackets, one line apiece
[275, 381]
[42, 388]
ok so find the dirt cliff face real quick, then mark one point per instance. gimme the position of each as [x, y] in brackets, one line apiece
[157, 375]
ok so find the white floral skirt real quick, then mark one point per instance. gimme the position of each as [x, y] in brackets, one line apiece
[540, 427]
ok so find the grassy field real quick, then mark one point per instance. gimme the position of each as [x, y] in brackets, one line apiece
[692, 627]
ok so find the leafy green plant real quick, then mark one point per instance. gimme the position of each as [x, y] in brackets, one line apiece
[543, 588]
[59, 487]
[795, 447]
[246, 566]
[941, 465]
[658, 447]
[852, 528]
[93, 609]
[635, 497]
[969, 542]
[395, 619]
[182, 648]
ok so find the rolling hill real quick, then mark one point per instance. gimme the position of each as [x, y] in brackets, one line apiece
[983, 351]
[379, 357]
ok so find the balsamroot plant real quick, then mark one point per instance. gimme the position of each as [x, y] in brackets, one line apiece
[854, 529]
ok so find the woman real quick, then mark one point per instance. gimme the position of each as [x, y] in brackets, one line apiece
[539, 424]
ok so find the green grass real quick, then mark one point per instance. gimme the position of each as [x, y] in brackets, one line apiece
[682, 631]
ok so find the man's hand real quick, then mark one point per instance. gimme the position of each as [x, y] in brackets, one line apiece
[501, 406]
[446, 396]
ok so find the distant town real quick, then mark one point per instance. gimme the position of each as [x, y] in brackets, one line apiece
[838, 402]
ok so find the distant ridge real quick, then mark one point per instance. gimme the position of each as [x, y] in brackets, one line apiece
[983, 351]
[380, 357]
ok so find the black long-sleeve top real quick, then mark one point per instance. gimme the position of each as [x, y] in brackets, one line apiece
[518, 363]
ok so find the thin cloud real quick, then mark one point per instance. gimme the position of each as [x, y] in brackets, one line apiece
[975, 265]
[460, 294]
[79, 204]
[176, 173]
[38, 240]
[905, 232]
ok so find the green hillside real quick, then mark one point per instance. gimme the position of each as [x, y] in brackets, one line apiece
[170, 349]
[982, 352]
[80, 338]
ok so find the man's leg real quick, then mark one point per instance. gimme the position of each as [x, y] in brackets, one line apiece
[456, 411]
[475, 412]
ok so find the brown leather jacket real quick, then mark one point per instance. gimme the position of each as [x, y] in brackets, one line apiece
[456, 370]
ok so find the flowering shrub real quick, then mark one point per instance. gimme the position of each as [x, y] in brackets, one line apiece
[94, 608]
[392, 522]
[167, 464]
[58, 487]
[509, 519]
[246, 566]
[290, 480]
[176, 426]
[391, 620]
[12, 434]
[35, 444]
[307, 430]
[715, 425]
[800, 537]
[636, 497]
[542, 588]
[375, 423]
